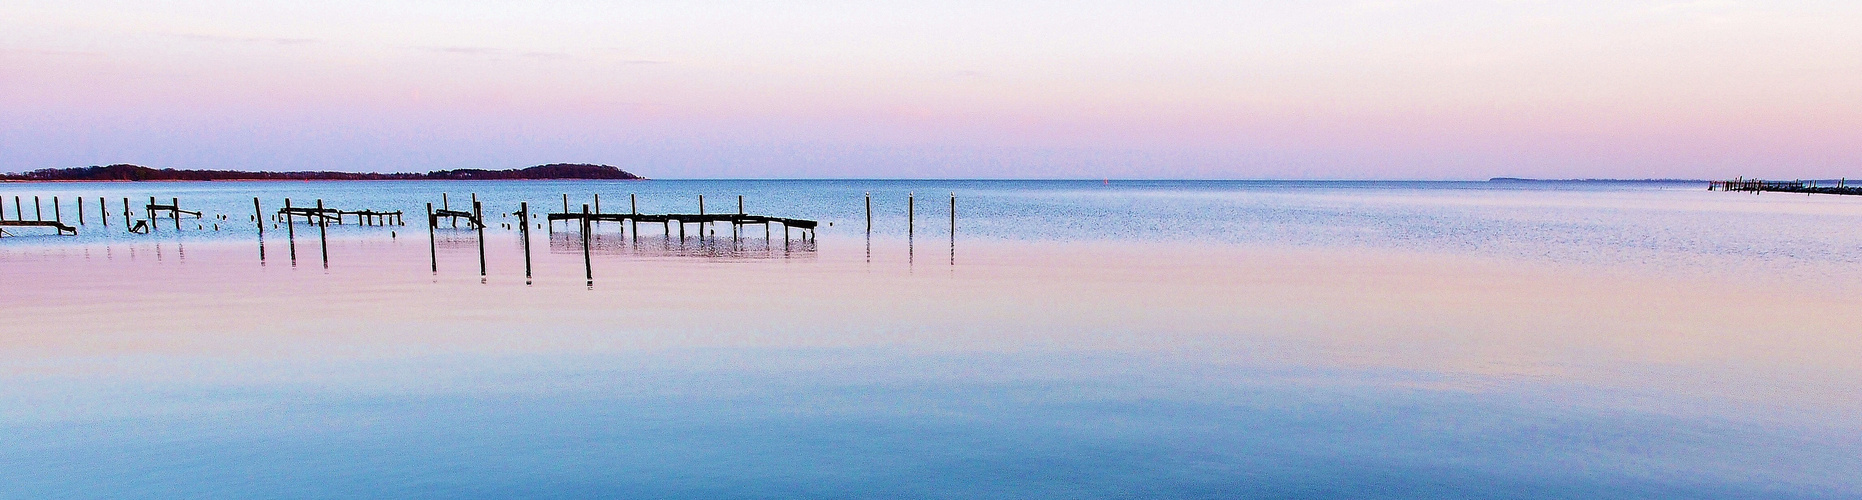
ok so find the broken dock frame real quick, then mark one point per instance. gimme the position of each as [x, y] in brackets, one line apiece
[737, 221]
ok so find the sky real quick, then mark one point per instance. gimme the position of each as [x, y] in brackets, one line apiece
[953, 89]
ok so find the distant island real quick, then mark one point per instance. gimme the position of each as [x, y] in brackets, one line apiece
[126, 172]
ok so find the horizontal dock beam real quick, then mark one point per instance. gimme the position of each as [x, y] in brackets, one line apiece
[686, 218]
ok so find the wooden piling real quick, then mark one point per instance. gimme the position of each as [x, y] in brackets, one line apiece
[56, 216]
[953, 229]
[80, 210]
[588, 265]
[37, 213]
[433, 250]
[290, 231]
[176, 205]
[258, 218]
[323, 235]
[634, 205]
[869, 216]
[523, 231]
[481, 236]
[103, 211]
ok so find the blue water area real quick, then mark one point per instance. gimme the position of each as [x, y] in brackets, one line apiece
[1087, 339]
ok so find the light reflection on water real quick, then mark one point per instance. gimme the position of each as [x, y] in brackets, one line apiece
[1047, 367]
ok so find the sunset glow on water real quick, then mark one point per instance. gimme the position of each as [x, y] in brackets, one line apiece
[1080, 340]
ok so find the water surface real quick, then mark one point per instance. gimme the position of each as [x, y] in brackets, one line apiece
[1074, 340]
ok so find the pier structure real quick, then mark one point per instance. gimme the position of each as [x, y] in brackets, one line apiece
[1809, 187]
[807, 227]
[173, 208]
[38, 219]
[311, 215]
[372, 217]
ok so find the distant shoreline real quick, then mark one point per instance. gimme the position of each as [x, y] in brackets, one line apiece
[138, 173]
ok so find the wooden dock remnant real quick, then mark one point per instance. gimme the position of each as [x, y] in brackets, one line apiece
[472, 220]
[19, 219]
[1755, 186]
[173, 208]
[684, 219]
[59, 226]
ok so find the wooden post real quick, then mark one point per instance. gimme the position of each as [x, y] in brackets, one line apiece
[701, 218]
[597, 202]
[523, 231]
[38, 213]
[20, 213]
[103, 211]
[588, 266]
[290, 231]
[258, 217]
[433, 250]
[80, 210]
[56, 216]
[634, 205]
[323, 234]
[175, 207]
[565, 203]
[869, 217]
[481, 235]
[953, 229]
[911, 215]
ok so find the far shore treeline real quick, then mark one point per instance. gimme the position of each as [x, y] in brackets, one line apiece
[126, 172]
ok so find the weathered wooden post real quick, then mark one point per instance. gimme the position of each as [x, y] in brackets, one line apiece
[953, 229]
[523, 231]
[701, 218]
[80, 210]
[869, 217]
[481, 235]
[290, 231]
[433, 251]
[323, 234]
[258, 218]
[588, 265]
[56, 216]
[633, 205]
[174, 206]
[38, 213]
[103, 211]
[911, 215]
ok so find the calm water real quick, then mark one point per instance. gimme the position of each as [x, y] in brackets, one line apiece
[1074, 340]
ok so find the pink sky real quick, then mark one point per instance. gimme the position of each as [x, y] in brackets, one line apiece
[1176, 89]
